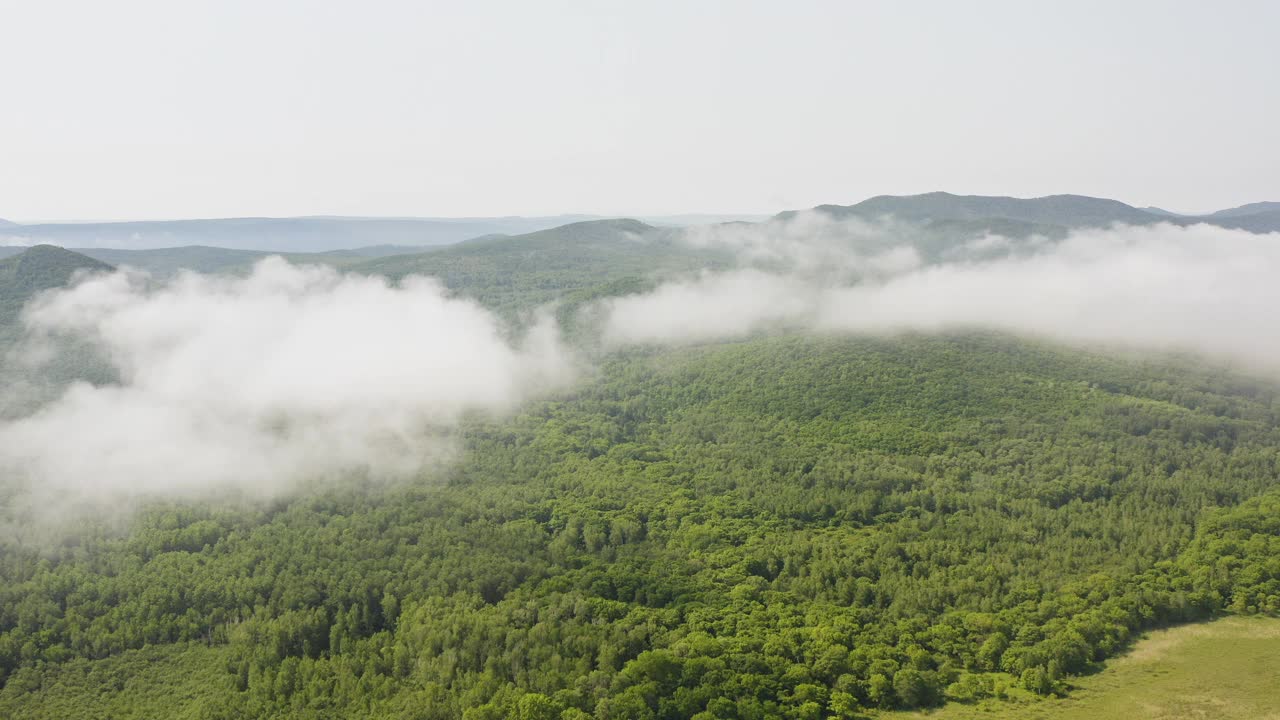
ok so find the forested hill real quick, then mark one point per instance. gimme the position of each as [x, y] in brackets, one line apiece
[22, 277]
[782, 527]
[164, 263]
[549, 253]
[297, 234]
[1257, 222]
[1061, 210]
[35, 269]
[1247, 210]
[523, 271]
[785, 526]
[508, 272]
[1047, 215]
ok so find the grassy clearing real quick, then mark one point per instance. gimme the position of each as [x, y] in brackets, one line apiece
[1227, 669]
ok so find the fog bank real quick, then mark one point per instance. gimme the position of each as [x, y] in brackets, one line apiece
[253, 383]
[1199, 288]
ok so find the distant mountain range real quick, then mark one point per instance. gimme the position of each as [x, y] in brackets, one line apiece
[505, 271]
[508, 273]
[299, 234]
[1052, 211]
[481, 253]
[1064, 210]
[1248, 210]
[567, 266]
[940, 212]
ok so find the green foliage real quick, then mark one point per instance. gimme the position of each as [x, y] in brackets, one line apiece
[782, 527]
[514, 274]
[39, 268]
[1224, 669]
[23, 277]
[180, 681]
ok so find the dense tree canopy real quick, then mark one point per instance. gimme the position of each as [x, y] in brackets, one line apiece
[781, 527]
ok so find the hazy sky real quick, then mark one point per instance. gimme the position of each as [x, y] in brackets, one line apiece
[173, 108]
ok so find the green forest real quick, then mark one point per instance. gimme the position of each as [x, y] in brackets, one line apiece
[781, 527]
[639, 361]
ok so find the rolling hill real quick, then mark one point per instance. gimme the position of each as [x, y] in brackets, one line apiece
[1248, 209]
[934, 222]
[787, 525]
[1259, 222]
[22, 277]
[165, 262]
[35, 269]
[1052, 214]
[780, 527]
[301, 234]
[521, 271]
[1061, 210]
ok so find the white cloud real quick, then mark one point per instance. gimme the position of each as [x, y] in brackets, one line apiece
[813, 243]
[1199, 288]
[715, 306]
[255, 383]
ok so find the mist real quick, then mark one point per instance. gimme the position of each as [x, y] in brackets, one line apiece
[816, 246]
[1198, 288]
[252, 384]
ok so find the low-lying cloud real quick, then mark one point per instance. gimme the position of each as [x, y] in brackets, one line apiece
[816, 245]
[717, 305]
[1200, 288]
[254, 383]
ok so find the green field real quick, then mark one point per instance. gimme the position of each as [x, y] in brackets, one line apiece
[1221, 670]
[1224, 670]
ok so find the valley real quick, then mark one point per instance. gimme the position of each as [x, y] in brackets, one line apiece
[779, 522]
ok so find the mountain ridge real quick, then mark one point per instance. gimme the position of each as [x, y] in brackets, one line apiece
[1049, 214]
[290, 234]
[38, 268]
[1065, 211]
[1246, 209]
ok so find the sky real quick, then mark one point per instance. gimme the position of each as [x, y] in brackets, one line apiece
[140, 109]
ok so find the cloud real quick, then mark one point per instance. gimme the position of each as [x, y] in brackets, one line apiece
[1199, 288]
[715, 306]
[254, 383]
[814, 243]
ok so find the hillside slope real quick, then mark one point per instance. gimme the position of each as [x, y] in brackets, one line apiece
[782, 527]
[300, 234]
[1043, 215]
[35, 269]
[1259, 222]
[1061, 210]
[1248, 209]
[523, 271]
